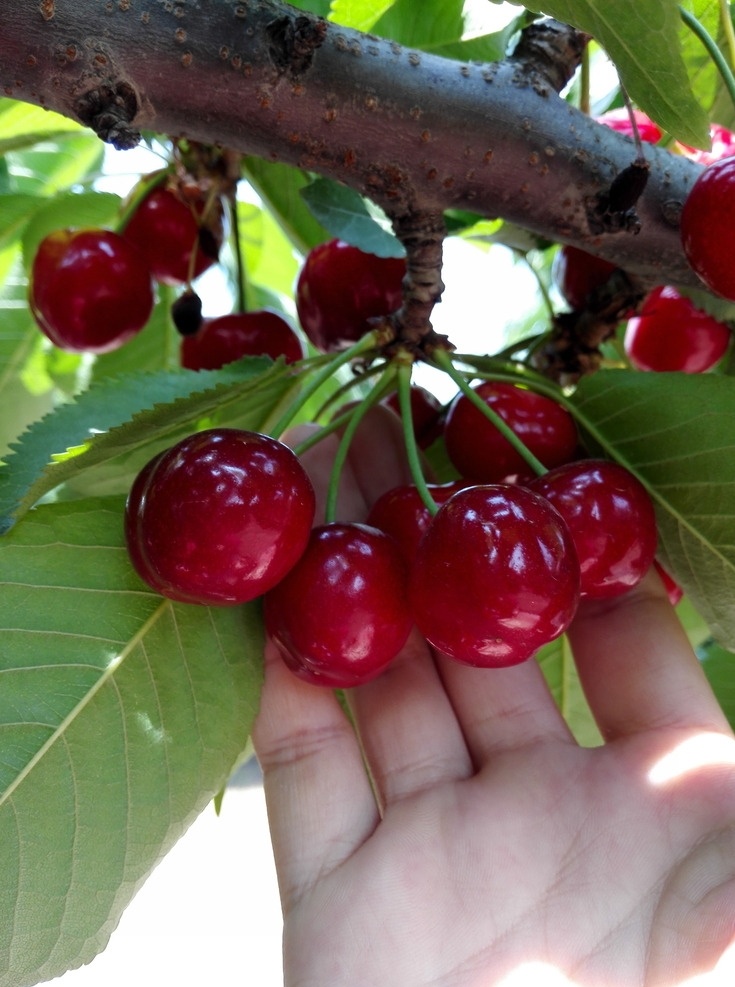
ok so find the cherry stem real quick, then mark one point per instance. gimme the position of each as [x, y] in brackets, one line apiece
[728, 28]
[713, 50]
[367, 342]
[412, 450]
[444, 361]
[356, 416]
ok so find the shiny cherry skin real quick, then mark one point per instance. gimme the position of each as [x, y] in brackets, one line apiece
[611, 519]
[619, 119]
[495, 577]
[402, 514]
[90, 290]
[426, 413]
[220, 341]
[340, 288]
[577, 274]
[478, 450]
[166, 230]
[671, 333]
[722, 145]
[341, 614]
[220, 517]
[708, 227]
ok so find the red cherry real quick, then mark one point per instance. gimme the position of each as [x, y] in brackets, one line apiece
[341, 615]
[90, 291]
[611, 519]
[722, 145]
[402, 514]
[708, 227]
[229, 337]
[220, 517]
[577, 274]
[167, 230]
[672, 334]
[478, 450]
[426, 412]
[340, 288]
[495, 577]
[619, 119]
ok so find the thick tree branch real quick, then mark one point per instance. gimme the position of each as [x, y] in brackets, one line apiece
[410, 130]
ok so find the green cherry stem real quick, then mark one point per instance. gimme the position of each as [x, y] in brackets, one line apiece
[727, 27]
[409, 436]
[362, 346]
[444, 361]
[239, 257]
[356, 415]
[713, 50]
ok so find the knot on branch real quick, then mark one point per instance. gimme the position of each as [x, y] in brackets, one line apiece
[293, 41]
[614, 210]
[549, 53]
[109, 110]
[572, 349]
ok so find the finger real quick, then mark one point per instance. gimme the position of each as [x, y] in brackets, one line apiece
[637, 667]
[408, 729]
[502, 708]
[320, 804]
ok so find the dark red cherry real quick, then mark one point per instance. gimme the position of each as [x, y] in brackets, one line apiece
[402, 514]
[220, 517]
[167, 230]
[611, 519]
[340, 288]
[341, 614]
[479, 451]
[578, 274]
[90, 290]
[495, 577]
[220, 341]
[426, 413]
[708, 227]
[671, 333]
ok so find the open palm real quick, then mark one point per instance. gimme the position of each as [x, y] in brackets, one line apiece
[485, 847]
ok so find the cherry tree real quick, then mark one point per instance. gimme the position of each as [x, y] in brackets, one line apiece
[283, 128]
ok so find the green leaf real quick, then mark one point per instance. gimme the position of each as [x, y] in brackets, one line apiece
[54, 166]
[643, 39]
[705, 80]
[121, 716]
[343, 212]
[23, 120]
[362, 15]
[557, 664]
[127, 420]
[675, 432]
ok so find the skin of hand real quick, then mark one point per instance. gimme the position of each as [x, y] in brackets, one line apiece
[486, 848]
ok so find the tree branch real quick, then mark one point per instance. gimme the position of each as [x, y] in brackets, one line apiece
[410, 130]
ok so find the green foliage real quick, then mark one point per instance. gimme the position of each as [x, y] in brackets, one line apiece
[345, 214]
[122, 716]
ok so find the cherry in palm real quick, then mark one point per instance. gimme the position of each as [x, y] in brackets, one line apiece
[495, 577]
[341, 615]
[220, 517]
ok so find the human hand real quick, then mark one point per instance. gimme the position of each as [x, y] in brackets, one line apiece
[486, 848]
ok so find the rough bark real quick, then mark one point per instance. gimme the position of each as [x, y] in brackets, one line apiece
[410, 130]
